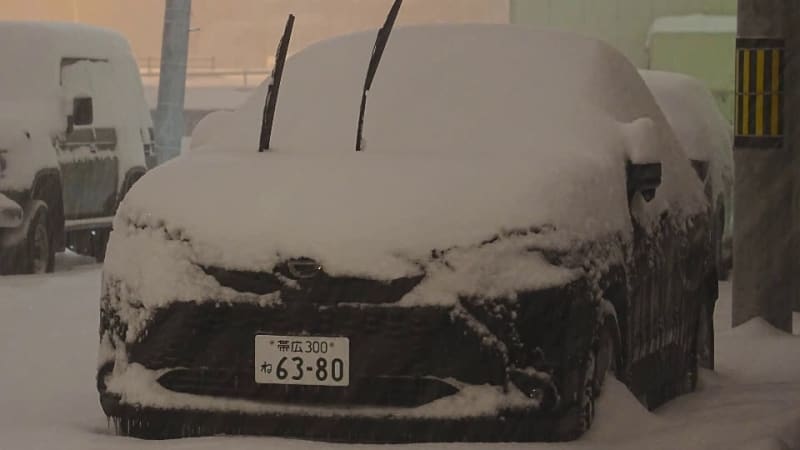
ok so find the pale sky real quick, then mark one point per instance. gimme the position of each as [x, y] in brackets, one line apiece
[244, 33]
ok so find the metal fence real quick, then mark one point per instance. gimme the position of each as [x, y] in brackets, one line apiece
[204, 67]
[152, 65]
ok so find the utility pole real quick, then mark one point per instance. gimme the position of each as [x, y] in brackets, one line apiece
[765, 246]
[169, 124]
[76, 16]
[792, 76]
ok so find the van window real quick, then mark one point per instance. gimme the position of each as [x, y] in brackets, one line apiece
[69, 61]
[95, 79]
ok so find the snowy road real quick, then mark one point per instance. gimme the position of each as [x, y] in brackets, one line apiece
[48, 341]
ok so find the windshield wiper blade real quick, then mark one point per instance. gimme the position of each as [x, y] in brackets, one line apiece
[375, 60]
[274, 86]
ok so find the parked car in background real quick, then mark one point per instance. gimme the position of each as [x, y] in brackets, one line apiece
[521, 221]
[707, 138]
[74, 131]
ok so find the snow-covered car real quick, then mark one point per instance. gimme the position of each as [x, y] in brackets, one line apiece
[707, 138]
[74, 129]
[520, 220]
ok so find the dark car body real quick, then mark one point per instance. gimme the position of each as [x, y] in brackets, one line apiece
[494, 336]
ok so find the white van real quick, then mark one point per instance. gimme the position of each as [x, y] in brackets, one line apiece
[75, 134]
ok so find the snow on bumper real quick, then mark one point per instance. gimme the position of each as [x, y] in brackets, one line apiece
[140, 407]
[10, 213]
[138, 386]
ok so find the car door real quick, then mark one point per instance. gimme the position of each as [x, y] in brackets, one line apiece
[87, 150]
[666, 278]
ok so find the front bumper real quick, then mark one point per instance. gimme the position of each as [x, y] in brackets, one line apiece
[11, 214]
[149, 422]
[417, 374]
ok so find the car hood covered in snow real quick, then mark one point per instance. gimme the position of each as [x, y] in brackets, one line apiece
[471, 131]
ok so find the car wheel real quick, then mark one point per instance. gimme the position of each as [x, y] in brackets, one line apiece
[689, 382]
[705, 338]
[578, 419]
[40, 253]
[605, 359]
[587, 399]
[702, 354]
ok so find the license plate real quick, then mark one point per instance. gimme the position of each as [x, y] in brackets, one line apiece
[302, 360]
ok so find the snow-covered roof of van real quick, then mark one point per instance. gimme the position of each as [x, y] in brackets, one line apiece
[470, 129]
[31, 55]
[61, 36]
[694, 23]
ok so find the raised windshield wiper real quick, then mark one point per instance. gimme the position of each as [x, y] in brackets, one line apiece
[375, 60]
[274, 86]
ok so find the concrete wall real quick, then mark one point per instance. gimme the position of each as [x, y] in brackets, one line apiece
[622, 23]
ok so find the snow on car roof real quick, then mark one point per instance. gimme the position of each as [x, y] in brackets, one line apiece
[696, 119]
[470, 129]
[691, 110]
[441, 89]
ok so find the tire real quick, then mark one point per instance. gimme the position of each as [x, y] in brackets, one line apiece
[704, 343]
[605, 355]
[702, 354]
[689, 382]
[586, 401]
[38, 246]
[600, 360]
[578, 419]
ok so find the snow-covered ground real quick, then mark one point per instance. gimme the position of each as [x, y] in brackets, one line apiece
[48, 347]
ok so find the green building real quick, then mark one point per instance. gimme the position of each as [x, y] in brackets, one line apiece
[696, 37]
[701, 46]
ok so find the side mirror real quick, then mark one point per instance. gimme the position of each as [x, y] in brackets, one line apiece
[644, 179]
[82, 111]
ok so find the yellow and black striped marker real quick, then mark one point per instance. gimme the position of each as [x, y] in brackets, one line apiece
[759, 93]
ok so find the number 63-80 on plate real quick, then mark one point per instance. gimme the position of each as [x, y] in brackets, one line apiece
[302, 360]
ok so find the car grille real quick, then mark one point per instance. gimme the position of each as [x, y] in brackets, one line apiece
[378, 391]
[392, 349]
